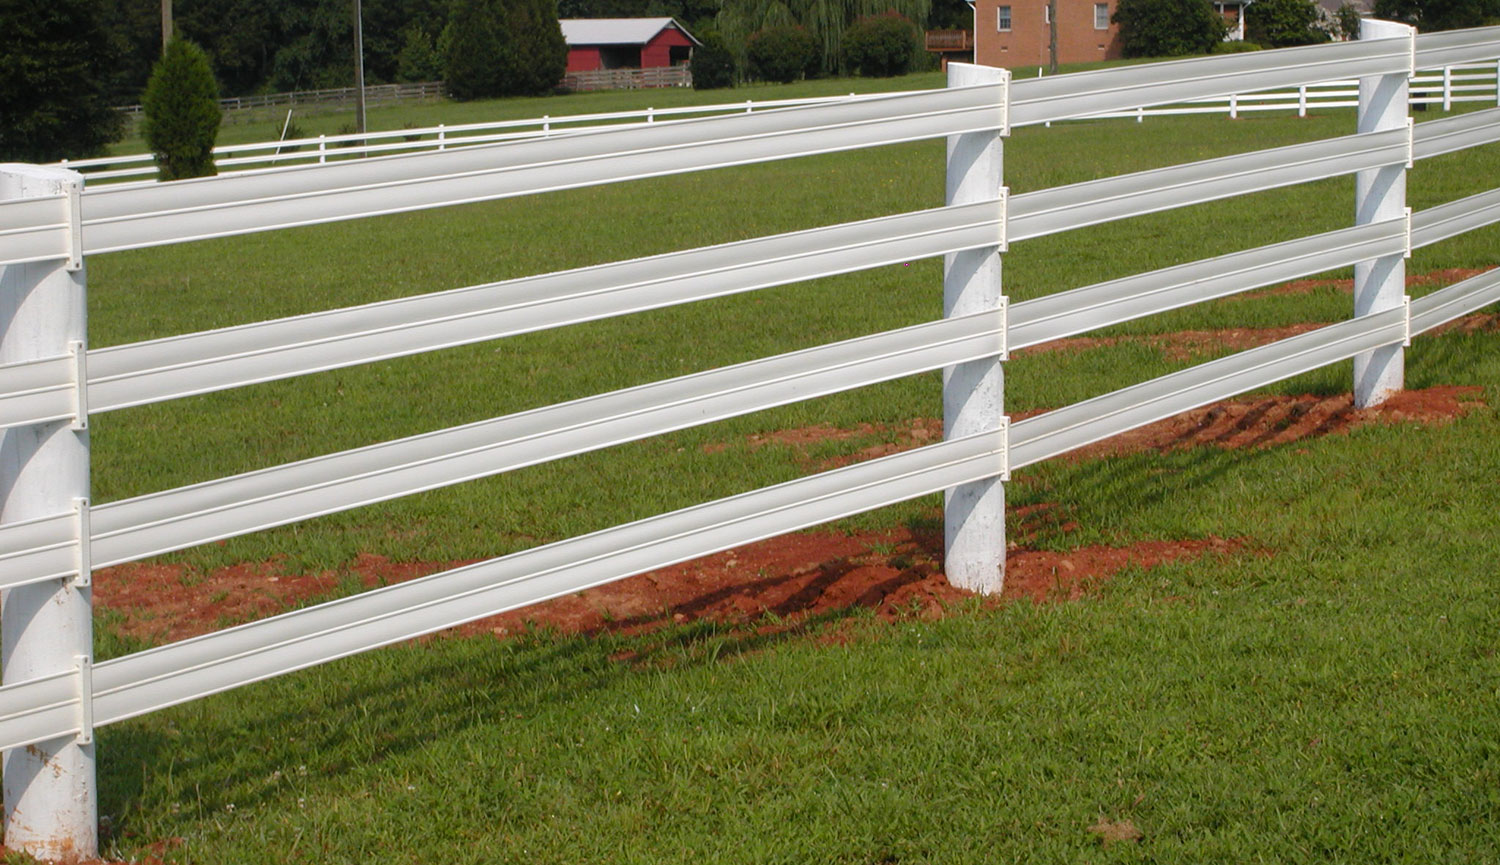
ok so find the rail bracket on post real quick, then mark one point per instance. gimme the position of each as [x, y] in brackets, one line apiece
[74, 193]
[1004, 475]
[973, 392]
[80, 385]
[85, 575]
[85, 665]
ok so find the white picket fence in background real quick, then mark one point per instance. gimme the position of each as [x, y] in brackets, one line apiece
[51, 539]
[1444, 87]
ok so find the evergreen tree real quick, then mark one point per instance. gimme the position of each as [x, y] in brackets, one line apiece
[182, 112]
[421, 59]
[55, 81]
[539, 55]
[478, 50]
[504, 48]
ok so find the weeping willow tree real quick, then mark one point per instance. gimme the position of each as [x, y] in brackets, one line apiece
[825, 20]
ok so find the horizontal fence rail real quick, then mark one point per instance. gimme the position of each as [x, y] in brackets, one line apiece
[67, 387]
[134, 528]
[139, 217]
[145, 681]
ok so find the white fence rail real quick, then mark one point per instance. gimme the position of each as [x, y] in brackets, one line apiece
[1443, 87]
[50, 542]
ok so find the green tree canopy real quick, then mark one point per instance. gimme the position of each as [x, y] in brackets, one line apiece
[781, 54]
[540, 54]
[881, 45]
[712, 64]
[182, 112]
[1168, 28]
[1430, 15]
[503, 48]
[1284, 23]
[56, 63]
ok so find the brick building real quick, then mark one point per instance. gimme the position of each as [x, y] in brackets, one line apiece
[1013, 33]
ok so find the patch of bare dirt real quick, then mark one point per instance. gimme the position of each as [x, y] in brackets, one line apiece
[1263, 421]
[770, 586]
[170, 602]
[786, 579]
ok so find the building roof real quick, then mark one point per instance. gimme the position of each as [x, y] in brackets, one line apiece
[1365, 8]
[617, 31]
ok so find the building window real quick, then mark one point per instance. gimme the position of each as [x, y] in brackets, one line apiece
[1101, 16]
[1002, 19]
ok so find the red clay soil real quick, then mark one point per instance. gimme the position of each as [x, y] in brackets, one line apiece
[792, 577]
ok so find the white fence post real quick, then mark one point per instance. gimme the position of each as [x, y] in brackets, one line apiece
[1380, 194]
[1447, 88]
[51, 810]
[1302, 101]
[974, 392]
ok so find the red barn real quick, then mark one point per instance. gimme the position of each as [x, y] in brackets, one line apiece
[626, 43]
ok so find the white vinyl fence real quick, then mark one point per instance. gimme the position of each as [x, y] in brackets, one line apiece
[299, 151]
[1442, 87]
[51, 539]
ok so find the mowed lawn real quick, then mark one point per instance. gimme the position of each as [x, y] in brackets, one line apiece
[1327, 693]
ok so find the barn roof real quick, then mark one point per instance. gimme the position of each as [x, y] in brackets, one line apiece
[617, 31]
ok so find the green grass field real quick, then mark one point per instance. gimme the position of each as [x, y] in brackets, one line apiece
[1328, 695]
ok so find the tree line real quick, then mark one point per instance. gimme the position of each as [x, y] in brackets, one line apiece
[1171, 28]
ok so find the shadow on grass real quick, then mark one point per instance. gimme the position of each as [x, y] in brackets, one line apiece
[396, 706]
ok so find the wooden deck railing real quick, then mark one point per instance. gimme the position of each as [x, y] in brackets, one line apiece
[950, 40]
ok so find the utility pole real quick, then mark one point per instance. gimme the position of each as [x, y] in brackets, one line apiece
[166, 24]
[359, 68]
[1052, 37]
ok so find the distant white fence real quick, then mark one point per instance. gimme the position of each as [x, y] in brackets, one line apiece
[51, 539]
[324, 148]
[1443, 87]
